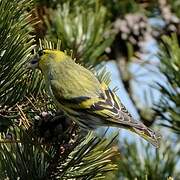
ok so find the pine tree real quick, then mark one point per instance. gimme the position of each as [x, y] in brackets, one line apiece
[29, 149]
[36, 140]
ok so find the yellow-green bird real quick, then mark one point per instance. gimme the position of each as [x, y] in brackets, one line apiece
[82, 97]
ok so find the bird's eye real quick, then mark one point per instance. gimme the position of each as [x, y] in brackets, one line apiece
[33, 62]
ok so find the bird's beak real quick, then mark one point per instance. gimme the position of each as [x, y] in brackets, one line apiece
[28, 65]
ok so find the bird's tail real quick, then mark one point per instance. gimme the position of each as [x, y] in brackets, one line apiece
[147, 134]
[139, 128]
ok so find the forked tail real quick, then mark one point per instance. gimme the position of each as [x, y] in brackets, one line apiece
[148, 134]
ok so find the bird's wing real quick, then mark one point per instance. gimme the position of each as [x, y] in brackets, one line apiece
[107, 106]
[110, 109]
[117, 115]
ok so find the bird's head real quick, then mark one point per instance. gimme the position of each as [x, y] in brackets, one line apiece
[46, 56]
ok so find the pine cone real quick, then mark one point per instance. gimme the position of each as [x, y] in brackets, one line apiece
[172, 22]
[133, 28]
[54, 128]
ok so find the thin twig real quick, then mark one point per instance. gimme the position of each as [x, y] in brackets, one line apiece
[23, 117]
[10, 141]
[36, 108]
